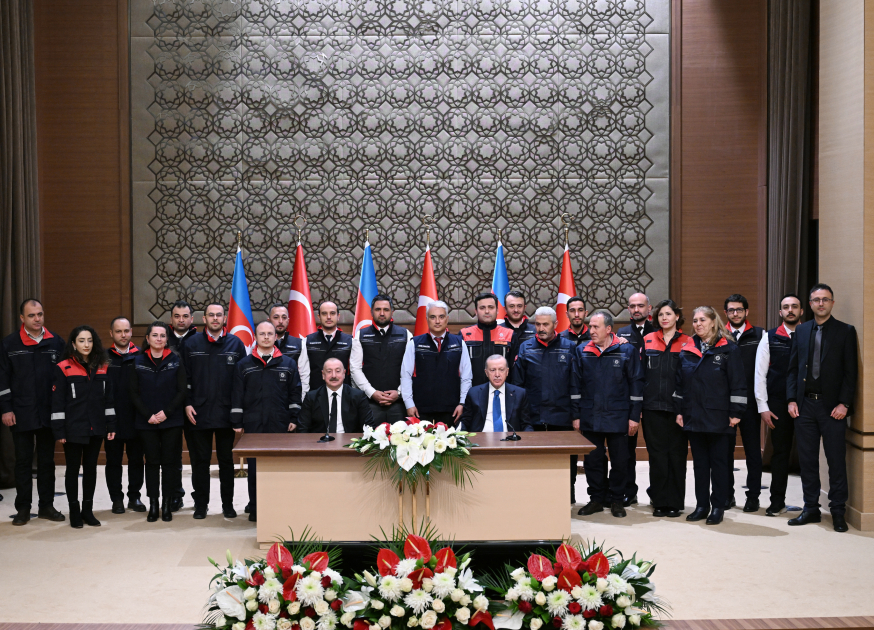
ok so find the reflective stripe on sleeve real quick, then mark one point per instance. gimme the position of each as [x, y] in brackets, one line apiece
[294, 406]
[636, 398]
[5, 391]
[236, 411]
[575, 396]
[739, 399]
[59, 416]
[110, 412]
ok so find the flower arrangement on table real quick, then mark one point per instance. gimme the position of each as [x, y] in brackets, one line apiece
[578, 587]
[276, 593]
[419, 590]
[405, 452]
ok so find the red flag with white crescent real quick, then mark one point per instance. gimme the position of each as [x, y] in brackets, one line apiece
[300, 305]
[566, 290]
[427, 294]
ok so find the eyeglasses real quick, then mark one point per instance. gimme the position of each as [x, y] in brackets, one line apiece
[820, 300]
[735, 311]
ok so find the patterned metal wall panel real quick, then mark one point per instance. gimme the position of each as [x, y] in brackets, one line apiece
[357, 114]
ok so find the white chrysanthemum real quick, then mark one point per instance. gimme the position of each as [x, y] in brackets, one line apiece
[418, 601]
[573, 622]
[390, 587]
[269, 590]
[526, 593]
[615, 585]
[297, 569]
[328, 621]
[443, 584]
[335, 577]
[263, 622]
[309, 590]
[589, 598]
[405, 567]
[556, 603]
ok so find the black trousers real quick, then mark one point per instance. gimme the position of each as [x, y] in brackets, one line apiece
[24, 442]
[186, 430]
[575, 459]
[394, 412]
[163, 451]
[253, 488]
[631, 468]
[750, 429]
[813, 424]
[602, 489]
[711, 464]
[781, 441]
[667, 446]
[136, 468]
[201, 443]
[84, 455]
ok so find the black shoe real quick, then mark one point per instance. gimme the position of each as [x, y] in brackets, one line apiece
[590, 508]
[1, 497]
[715, 517]
[88, 514]
[672, 513]
[153, 511]
[252, 517]
[775, 508]
[699, 514]
[51, 514]
[807, 516]
[22, 517]
[730, 503]
[166, 511]
[229, 512]
[617, 510]
[176, 505]
[136, 505]
[659, 512]
[248, 508]
[752, 505]
[118, 507]
[200, 512]
[630, 501]
[839, 523]
[76, 516]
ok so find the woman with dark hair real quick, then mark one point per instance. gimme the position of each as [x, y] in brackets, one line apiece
[82, 415]
[711, 398]
[157, 390]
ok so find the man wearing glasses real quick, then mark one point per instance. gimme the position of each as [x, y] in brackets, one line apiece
[747, 337]
[820, 388]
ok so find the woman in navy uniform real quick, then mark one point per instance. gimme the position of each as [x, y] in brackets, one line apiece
[82, 415]
[711, 396]
[157, 389]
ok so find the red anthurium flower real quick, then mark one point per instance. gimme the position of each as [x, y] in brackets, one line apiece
[257, 579]
[417, 547]
[420, 574]
[583, 566]
[482, 617]
[599, 565]
[540, 567]
[445, 558]
[567, 557]
[574, 608]
[386, 561]
[589, 614]
[411, 420]
[360, 624]
[336, 604]
[606, 610]
[445, 623]
[525, 607]
[318, 561]
[288, 592]
[250, 625]
[568, 579]
[280, 559]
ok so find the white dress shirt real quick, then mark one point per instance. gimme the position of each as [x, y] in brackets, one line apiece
[356, 360]
[489, 426]
[339, 407]
[409, 365]
[39, 337]
[763, 363]
[303, 368]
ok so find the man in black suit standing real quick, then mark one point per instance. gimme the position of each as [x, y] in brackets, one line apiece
[496, 406]
[335, 407]
[820, 388]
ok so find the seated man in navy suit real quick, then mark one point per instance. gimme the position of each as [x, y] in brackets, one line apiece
[335, 407]
[496, 406]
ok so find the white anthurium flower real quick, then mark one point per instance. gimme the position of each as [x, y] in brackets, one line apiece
[467, 582]
[428, 438]
[357, 600]
[407, 456]
[397, 439]
[231, 602]
[426, 454]
[508, 619]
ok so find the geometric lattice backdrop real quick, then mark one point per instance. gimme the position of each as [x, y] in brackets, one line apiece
[371, 114]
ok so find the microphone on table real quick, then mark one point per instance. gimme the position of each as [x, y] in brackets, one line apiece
[511, 438]
[326, 437]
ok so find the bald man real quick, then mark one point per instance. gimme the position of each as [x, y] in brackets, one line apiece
[335, 407]
[328, 342]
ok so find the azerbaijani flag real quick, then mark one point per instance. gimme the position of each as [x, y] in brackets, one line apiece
[240, 321]
[366, 291]
[500, 282]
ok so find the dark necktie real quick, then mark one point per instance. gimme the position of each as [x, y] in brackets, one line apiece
[817, 353]
[736, 335]
[439, 341]
[266, 357]
[328, 338]
[332, 422]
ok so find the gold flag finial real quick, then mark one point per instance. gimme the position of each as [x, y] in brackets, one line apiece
[565, 220]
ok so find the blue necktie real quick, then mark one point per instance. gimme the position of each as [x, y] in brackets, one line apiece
[497, 422]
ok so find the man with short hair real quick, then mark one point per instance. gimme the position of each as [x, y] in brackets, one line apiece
[772, 365]
[121, 357]
[523, 330]
[335, 407]
[328, 342]
[496, 406]
[435, 372]
[486, 337]
[820, 388]
[27, 363]
[210, 359]
[265, 397]
[290, 346]
[747, 337]
[182, 324]
[609, 377]
[377, 354]
[577, 332]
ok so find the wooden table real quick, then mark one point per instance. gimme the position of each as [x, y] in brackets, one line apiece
[522, 493]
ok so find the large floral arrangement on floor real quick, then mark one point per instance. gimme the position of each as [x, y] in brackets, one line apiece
[576, 588]
[405, 452]
[277, 593]
[415, 588]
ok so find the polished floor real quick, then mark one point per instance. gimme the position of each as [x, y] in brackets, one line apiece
[129, 571]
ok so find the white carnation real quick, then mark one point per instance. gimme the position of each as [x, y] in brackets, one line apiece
[336, 578]
[618, 621]
[273, 606]
[251, 605]
[463, 615]
[438, 605]
[396, 611]
[536, 623]
[384, 621]
[321, 607]
[549, 582]
[481, 603]
[540, 598]
[428, 620]
[307, 624]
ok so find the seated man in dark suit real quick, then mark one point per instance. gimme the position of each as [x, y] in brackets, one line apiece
[496, 406]
[334, 406]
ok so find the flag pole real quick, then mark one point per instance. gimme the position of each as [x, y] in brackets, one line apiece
[565, 222]
[239, 240]
[299, 227]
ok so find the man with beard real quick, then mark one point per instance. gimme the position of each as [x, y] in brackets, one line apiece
[578, 332]
[486, 337]
[181, 322]
[292, 347]
[772, 366]
[523, 330]
[328, 342]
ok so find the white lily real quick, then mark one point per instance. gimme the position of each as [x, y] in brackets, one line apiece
[368, 432]
[231, 602]
[466, 582]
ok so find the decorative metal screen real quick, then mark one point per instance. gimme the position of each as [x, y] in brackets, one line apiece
[372, 114]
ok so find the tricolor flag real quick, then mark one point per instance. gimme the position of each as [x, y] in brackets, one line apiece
[366, 291]
[427, 294]
[500, 282]
[240, 322]
[301, 321]
[566, 290]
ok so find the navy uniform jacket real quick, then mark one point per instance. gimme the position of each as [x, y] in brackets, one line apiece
[119, 377]
[546, 372]
[266, 396]
[82, 403]
[26, 376]
[610, 383]
[711, 387]
[176, 343]
[209, 365]
[633, 336]
[476, 406]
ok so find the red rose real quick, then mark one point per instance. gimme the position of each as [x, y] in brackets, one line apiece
[525, 607]
[336, 604]
[606, 610]
[295, 627]
[556, 567]
[326, 581]
[556, 621]
[587, 614]
[283, 614]
[309, 612]
[360, 624]
[574, 608]
[263, 608]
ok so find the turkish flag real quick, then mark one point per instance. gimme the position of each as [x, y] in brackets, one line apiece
[427, 294]
[300, 305]
[566, 290]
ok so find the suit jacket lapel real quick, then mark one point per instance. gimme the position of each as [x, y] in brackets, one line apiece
[326, 408]
[828, 337]
[350, 421]
[510, 403]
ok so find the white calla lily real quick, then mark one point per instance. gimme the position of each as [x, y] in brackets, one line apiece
[231, 602]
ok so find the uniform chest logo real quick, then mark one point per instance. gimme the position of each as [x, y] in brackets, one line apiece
[717, 358]
[562, 358]
[282, 376]
[615, 362]
[230, 359]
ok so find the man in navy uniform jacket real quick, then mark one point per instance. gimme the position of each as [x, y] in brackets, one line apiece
[496, 406]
